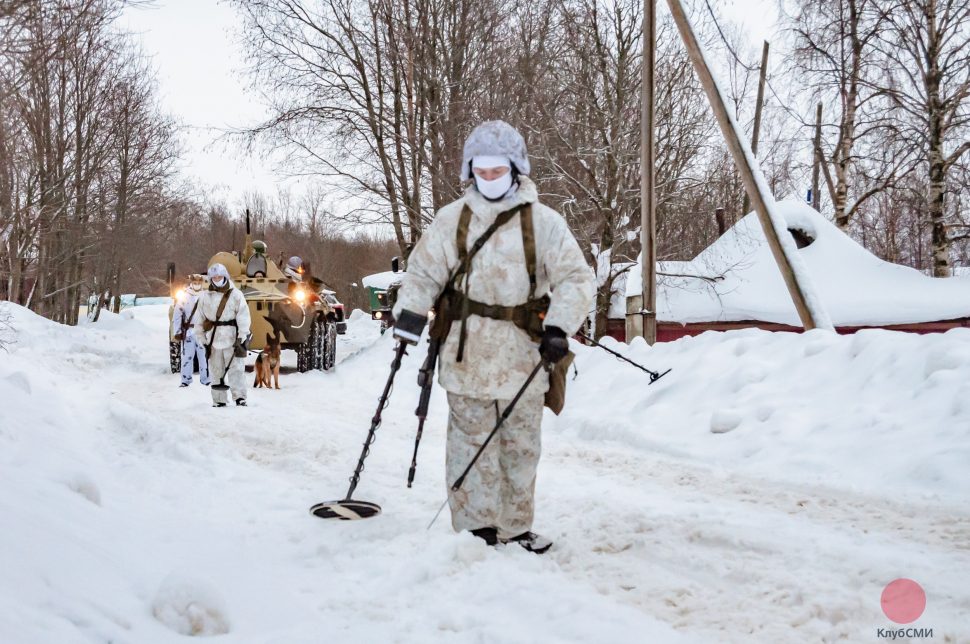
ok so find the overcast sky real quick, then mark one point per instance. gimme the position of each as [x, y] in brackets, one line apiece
[195, 46]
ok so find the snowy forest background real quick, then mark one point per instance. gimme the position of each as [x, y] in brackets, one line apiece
[370, 101]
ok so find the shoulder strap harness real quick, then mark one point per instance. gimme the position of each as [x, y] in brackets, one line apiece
[454, 303]
[187, 322]
[208, 324]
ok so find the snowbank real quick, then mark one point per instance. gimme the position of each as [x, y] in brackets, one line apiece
[382, 280]
[767, 488]
[877, 412]
[856, 287]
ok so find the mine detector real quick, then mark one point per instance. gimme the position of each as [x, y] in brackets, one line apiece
[296, 309]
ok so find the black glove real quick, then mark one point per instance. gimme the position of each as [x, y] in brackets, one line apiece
[241, 348]
[409, 326]
[554, 345]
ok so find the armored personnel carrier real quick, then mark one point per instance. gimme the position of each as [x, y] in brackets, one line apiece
[293, 305]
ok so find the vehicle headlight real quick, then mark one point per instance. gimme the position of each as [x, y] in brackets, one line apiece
[378, 315]
[180, 295]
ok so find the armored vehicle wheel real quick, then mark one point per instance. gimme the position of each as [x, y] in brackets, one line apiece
[310, 353]
[303, 357]
[329, 358]
[175, 355]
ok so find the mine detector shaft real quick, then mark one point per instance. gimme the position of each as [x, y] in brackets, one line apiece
[293, 308]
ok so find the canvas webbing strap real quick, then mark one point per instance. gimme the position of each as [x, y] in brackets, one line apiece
[219, 311]
[186, 322]
[222, 304]
[465, 266]
[462, 237]
[529, 245]
[466, 255]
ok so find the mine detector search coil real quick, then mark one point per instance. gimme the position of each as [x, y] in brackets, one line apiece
[347, 508]
[654, 375]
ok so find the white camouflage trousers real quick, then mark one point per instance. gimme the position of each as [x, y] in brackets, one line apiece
[192, 349]
[499, 492]
[236, 378]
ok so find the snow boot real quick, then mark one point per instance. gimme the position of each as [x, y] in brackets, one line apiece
[184, 384]
[488, 535]
[532, 542]
[240, 402]
[218, 404]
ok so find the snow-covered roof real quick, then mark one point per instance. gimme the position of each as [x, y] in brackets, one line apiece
[736, 278]
[382, 280]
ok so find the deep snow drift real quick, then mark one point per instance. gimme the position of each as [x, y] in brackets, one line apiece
[765, 490]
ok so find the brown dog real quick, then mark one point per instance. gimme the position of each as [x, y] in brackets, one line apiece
[268, 363]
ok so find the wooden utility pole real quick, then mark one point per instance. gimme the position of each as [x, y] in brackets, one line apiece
[759, 104]
[811, 315]
[816, 197]
[648, 157]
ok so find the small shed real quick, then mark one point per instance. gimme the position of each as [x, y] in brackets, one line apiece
[735, 283]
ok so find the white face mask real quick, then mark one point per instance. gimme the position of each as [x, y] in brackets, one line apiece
[496, 188]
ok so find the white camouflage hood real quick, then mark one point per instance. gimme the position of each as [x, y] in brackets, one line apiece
[495, 139]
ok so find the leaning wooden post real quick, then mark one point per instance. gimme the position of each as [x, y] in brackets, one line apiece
[648, 158]
[816, 197]
[759, 104]
[810, 310]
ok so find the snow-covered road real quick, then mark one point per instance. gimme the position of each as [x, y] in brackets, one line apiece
[132, 509]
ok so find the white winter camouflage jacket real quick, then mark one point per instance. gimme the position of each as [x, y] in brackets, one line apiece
[236, 309]
[498, 355]
[183, 308]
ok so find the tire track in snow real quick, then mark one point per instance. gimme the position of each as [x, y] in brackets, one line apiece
[937, 526]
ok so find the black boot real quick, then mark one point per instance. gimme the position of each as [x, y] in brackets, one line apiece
[240, 402]
[532, 542]
[488, 535]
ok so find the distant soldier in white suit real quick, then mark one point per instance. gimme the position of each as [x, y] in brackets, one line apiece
[183, 329]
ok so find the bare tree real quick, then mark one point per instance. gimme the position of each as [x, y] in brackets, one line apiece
[927, 50]
[82, 146]
[837, 54]
[366, 93]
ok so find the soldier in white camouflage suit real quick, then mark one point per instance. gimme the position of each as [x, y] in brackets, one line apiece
[183, 329]
[489, 352]
[223, 325]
